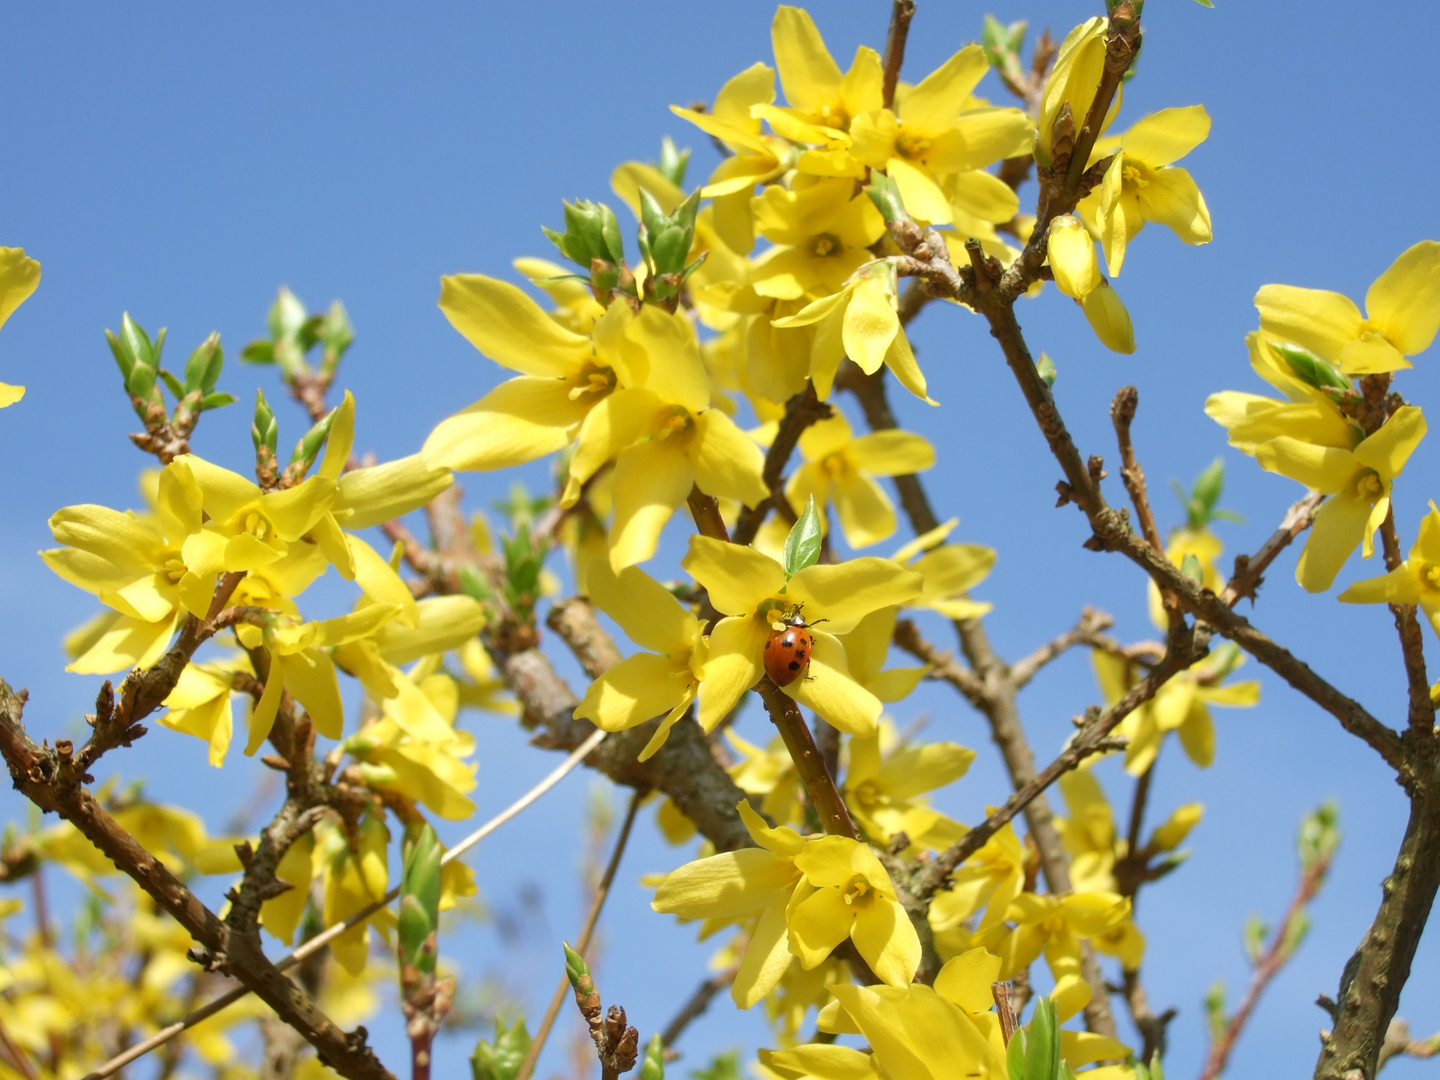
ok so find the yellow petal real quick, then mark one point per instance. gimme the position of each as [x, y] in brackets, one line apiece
[1400, 586]
[1167, 135]
[647, 612]
[1388, 449]
[767, 956]
[870, 324]
[1072, 258]
[884, 936]
[828, 689]
[892, 453]
[650, 481]
[127, 643]
[727, 463]
[509, 327]
[732, 666]
[845, 593]
[1197, 736]
[937, 99]
[966, 980]
[310, 677]
[724, 886]
[1405, 299]
[635, 690]
[818, 924]
[19, 275]
[737, 578]
[9, 394]
[446, 622]
[1323, 322]
[920, 193]
[1338, 530]
[663, 356]
[1173, 199]
[1322, 468]
[808, 74]
[1109, 319]
[866, 513]
[519, 421]
[380, 493]
[380, 583]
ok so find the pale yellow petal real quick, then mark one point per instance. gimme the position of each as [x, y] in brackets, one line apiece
[520, 420]
[726, 461]
[1323, 322]
[733, 665]
[1405, 299]
[647, 611]
[19, 275]
[651, 480]
[737, 578]
[828, 689]
[1167, 135]
[637, 689]
[509, 327]
[845, 593]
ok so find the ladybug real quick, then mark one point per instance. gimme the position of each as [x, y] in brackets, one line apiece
[787, 652]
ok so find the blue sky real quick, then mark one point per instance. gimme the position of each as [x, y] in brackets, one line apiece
[181, 162]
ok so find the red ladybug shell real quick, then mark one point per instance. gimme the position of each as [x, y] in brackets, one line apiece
[787, 654]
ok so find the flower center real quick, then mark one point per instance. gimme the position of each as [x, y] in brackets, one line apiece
[911, 147]
[1430, 575]
[825, 245]
[856, 889]
[173, 567]
[1369, 486]
[1133, 176]
[257, 525]
[677, 422]
[593, 380]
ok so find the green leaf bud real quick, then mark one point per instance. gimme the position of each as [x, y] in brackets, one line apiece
[885, 194]
[265, 429]
[502, 1059]
[1042, 1042]
[653, 1067]
[202, 370]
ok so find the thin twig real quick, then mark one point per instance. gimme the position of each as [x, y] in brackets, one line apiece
[1276, 955]
[695, 1006]
[582, 943]
[819, 784]
[1085, 632]
[900, 15]
[1412, 642]
[319, 941]
[802, 410]
[1249, 569]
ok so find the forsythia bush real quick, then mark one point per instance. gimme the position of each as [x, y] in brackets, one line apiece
[734, 377]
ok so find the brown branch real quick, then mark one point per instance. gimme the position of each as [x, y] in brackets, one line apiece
[1088, 631]
[900, 15]
[705, 509]
[1275, 957]
[1153, 1027]
[819, 784]
[683, 768]
[1374, 976]
[1004, 995]
[582, 943]
[1122, 415]
[1247, 575]
[1412, 643]
[39, 774]
[802, 410]
[995, 698]
[1093, 738]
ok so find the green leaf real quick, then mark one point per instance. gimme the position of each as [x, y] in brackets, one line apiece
[136, 341]
[672, 162]
[264, 429]
[802, 546]
[1015, 1055]
[217, 401]
[1192, 569]
[501, 1060]
[1215, 1011]
[1209, 484]
[172, 384]
[1319, 833]
[575, 968]
[653, 1065]
[311, 442]
[286, 316]
[202, 370]
[258, 352]
[1045, 368]
[724, 1066]
[1255, 934]
[123, 357]
[419, 917]
[1042, 1049]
